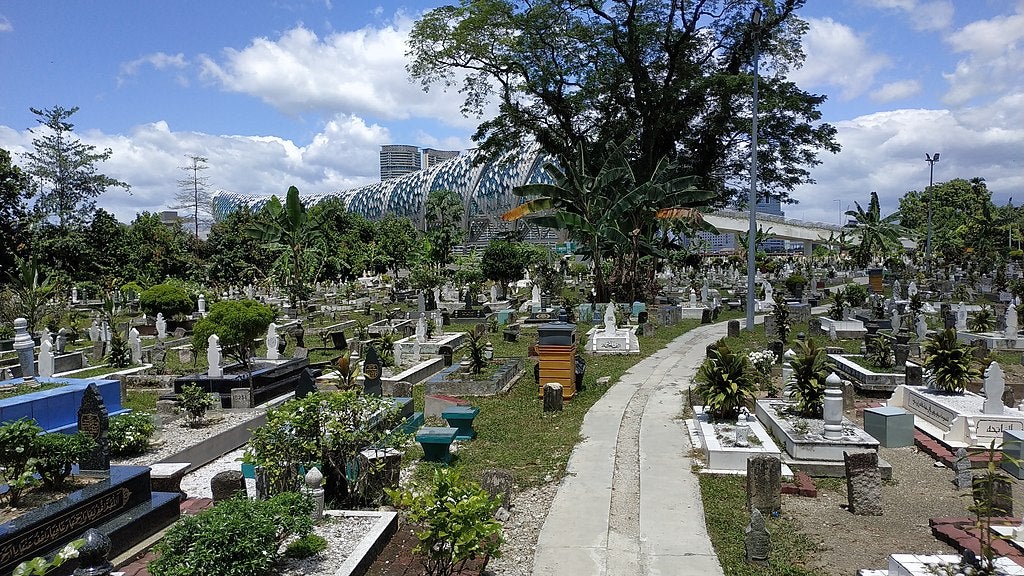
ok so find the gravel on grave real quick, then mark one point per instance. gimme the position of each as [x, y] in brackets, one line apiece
[174, 436]
[342, 533]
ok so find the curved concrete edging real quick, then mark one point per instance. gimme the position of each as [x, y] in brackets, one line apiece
[360, 559]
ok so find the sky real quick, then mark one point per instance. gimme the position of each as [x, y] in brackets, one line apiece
[290, 92]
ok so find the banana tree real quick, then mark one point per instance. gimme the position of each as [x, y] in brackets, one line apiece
[295, 235]
[878, 236]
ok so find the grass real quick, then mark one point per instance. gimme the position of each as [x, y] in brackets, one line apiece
[20, 389]
[140, 400]
[724, 501]
[514, 432]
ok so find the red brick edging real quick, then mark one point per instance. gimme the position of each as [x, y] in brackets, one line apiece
[138, 566]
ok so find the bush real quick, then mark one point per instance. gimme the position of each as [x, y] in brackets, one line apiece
[724, 382]
[56, 453]
[17, 448]
[306, 546]
[237, 537]
[949, 362]
[880, 353]
[120, 354]
[166, 299]
[838, 308]
[194, 401]
[238, 324]
[457, 521]
[807, 383]
[129, 433]
[856, 294]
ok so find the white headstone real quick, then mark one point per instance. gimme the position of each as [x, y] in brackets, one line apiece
[202, 304]
[535, 297]
[213, 357]
[704, 291]
[135, 345]
[273, 341]
[911, 289]
[693, 298]
[1010, 333]
[995, 385]
[250, 292]
[105, 331]
[161, 326]
[416, 351]
[46, 358]
[897, 290]
[922, 327]
[961, 317]
[832, 334]
[494, 292]
[397, 352]
[94, 332]
[609, 318]
[895, 320]
[421, 329]
[769, 297]
[74, 295]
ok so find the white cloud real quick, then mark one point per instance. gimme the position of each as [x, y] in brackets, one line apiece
[157, 60]
[923, 15]
[993, 61]
[885, 152]
[896, 91]
[5, 24]
[359, 72]
[837, 56]
[341, 156]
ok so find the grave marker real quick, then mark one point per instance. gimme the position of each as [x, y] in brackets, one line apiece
[93, 421]
[371, 372]
[962, 467]
[863, 483]
[756, 539]
[764, 484]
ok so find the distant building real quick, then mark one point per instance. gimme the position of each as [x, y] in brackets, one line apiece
[432, 157]
[398, 160]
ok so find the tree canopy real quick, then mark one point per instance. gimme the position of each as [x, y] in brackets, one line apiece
[674, 77]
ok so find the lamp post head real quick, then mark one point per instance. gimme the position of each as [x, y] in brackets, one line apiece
[931, 158]
[755, 18]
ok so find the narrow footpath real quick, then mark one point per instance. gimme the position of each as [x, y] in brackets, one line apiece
[630, 503]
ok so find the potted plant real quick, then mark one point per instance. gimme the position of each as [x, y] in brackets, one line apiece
[949, 362]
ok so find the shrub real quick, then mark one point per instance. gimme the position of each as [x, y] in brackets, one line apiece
[166, 299]
[724, 382]
[194, 401]
[763, 362]
[475, 344]
[56, 453]
[306, 546]
[781, 314]
[983, 320]
[17, 448]
[949, 362]
[807, 383]
[838, 308]
[120, 354]
[238, 323]
[237, 537]
[129, 433]
[856, 294]
[457, 521]
[795, 282]
[879, 352]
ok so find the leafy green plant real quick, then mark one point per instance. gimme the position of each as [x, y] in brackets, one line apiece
[762, 363]
[348, 371]
[795, 283]
[194, 401]
[120, 355]
[781, 314]
[129, 434]
[239, 324]
[166, 299]
[877, 307]
[326, 427]
[56, 453]
[385, 345]
[838, 308]
[237, 537]
[306, 546]
[725, 381]
[949, 362]
[456, 521]
[17, 449]
[807, 384]
[880, 352]
[475, 344]
[40, 566]
[984, 320]
[856, 294]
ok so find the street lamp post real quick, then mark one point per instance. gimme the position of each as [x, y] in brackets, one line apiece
[931, 160]
[755, 20]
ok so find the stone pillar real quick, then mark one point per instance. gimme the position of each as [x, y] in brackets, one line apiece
[787, 370]
[764, 484]
[552, 397]
[314, 486]
[833, 409]
[863, 483]
[24, 346]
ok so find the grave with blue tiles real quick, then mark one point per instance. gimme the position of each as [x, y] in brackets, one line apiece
[461, 417]
[436, 442]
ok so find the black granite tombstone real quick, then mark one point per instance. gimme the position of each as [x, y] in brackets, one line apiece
[371, 373]
[93, 421]
[306, 385]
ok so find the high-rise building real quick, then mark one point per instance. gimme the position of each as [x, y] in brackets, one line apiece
[432, 157]
[398, 160]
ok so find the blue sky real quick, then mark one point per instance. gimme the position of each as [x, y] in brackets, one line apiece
[304, 93]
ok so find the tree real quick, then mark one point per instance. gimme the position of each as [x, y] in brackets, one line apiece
[962, 217]
[505, 262]
[65, 167]
[397, 239]
[193, 193]
[347, 239]
[675, 76]
[233, 255]
[15, 190]
[291, 231]
[159, 251]
[239, 324]
[878, 236]
[443, 224]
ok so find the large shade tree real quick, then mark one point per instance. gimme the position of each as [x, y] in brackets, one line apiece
[674, 75]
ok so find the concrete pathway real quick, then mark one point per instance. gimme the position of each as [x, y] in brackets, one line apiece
[629, 503]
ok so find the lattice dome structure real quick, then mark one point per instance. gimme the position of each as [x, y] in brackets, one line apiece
[485, 188]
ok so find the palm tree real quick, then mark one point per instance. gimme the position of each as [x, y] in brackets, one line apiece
[292, 231]
[878, 236]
